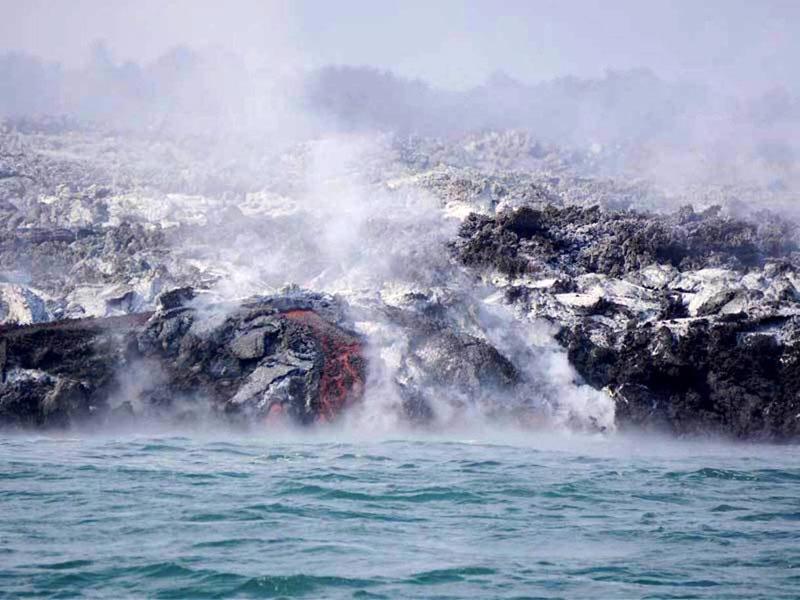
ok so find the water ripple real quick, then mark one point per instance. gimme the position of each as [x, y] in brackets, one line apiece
[178, 517]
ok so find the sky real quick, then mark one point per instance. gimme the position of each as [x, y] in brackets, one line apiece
[452, 44]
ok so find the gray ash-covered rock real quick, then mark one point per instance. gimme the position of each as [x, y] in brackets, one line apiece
[688, 320]
[574, 240]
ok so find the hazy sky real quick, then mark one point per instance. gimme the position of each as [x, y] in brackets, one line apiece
[450, 43]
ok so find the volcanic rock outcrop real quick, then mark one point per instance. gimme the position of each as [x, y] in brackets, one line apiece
[442, 362]
[488, 274]
[690, 321]
[289, 356]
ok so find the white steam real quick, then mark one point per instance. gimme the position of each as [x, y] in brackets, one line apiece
[349, 231]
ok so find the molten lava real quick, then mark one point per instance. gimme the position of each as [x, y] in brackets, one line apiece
[342, 379]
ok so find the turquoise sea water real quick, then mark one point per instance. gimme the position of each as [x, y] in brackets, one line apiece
[472, 516]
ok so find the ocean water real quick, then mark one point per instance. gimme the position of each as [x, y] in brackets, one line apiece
[476, 515]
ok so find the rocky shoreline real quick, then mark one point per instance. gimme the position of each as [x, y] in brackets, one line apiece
[690, 321]
[514, 287]
[258, 360]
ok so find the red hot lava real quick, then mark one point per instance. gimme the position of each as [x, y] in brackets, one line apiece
[342, 379]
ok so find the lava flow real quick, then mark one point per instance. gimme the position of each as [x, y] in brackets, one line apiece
[342, 379]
